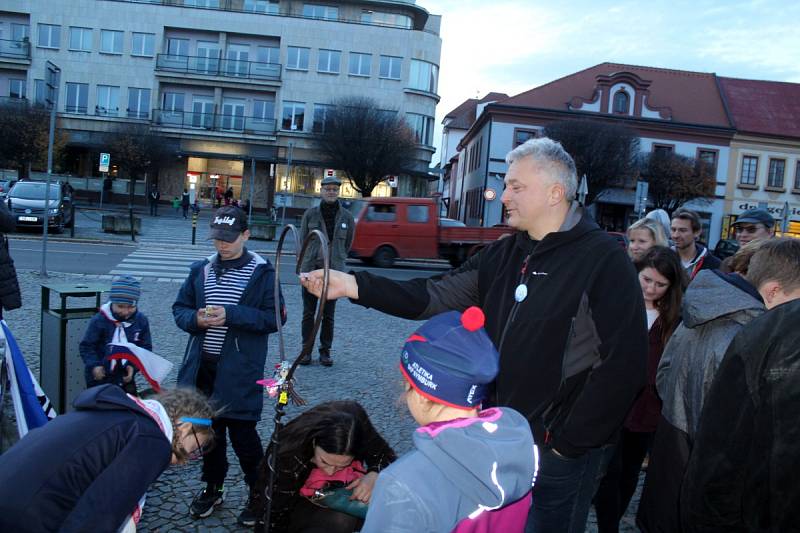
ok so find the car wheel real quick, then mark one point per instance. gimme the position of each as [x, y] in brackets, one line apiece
[384, 257]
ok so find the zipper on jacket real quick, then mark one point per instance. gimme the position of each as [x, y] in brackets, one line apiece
[236, 341]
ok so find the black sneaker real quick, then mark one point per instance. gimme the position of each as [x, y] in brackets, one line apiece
[204, 503]
[248, 515]
[325, 359]
[305, 360]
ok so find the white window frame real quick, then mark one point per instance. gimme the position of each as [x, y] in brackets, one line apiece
[108, 95]
[182, 45]
[21, 89]
[147, 45]
[357, 62]
[75, 106]
[325, 59]
[142, 102]
[117, 42]
[320, 12]
[323, 110]
[52, 32]
[423, 76]
[392, 63]
[273, 54]
[20, 31]
[264, 105]
[85, 39]
[300, 59]
[293, 107]
[269, 7]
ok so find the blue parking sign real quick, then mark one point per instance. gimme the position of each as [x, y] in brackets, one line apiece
[105, 161]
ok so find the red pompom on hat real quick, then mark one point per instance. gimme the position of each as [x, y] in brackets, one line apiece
[472, 318]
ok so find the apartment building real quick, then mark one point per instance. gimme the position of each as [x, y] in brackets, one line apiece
[236, 88]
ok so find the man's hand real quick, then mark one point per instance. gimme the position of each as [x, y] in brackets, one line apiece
[98, 373]
[216, 316]
[128, 374]
[340, 285]
[362, 487]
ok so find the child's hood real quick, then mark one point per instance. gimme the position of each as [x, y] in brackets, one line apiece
[490, 458]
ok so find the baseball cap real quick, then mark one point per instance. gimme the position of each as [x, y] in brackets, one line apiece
[228, 223]
[755, 216]
[330, 180]
[451, 360]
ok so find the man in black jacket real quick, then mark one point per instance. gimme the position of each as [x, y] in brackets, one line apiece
[564, 307]
[742, 473]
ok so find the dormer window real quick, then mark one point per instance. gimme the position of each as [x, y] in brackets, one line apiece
[621, 102]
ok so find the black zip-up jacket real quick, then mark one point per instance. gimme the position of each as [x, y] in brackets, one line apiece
[573, 352]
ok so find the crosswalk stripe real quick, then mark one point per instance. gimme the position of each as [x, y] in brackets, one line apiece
[147, 273]
[175, 268]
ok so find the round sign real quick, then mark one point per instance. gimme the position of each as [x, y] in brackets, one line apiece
[489, 194]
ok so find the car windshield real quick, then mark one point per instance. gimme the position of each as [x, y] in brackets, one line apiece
[33, 191]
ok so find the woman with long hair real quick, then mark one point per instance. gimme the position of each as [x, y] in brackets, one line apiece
[663, 281]
[643, 235]
[331, 444]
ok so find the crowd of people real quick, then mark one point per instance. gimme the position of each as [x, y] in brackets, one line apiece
[549, 368]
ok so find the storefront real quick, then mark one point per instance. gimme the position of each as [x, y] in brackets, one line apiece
[204, 177]
[775, 209]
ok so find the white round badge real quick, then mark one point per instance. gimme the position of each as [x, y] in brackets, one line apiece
[521, 292]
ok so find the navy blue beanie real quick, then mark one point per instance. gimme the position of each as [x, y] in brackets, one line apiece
[451, 360]
[125, 290]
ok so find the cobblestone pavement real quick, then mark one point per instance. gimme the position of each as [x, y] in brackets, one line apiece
[366, 350]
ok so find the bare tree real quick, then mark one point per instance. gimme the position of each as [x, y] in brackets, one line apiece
[137, 150]
[366, 143]
[24, 135]
[675, 179]
[606, 153]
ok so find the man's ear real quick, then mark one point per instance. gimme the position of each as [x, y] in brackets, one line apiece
[556, 192]
[769, 291]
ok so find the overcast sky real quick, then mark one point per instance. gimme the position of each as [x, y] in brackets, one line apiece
[514, 45]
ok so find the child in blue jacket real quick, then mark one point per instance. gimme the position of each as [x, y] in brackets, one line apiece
[121, 311]
[472, 470]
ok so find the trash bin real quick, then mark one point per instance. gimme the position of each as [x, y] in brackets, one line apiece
[60, 365]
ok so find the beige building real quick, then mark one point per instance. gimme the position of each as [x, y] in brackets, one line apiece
[230, 85]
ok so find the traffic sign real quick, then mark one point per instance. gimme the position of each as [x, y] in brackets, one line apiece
[642, 188]
[105, 161]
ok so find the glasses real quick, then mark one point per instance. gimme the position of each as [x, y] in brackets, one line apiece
[746, 229]
[200, 451]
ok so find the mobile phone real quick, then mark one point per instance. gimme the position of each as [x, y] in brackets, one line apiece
[209, 310]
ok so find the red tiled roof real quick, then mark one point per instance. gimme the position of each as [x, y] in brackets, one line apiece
[765, 107]
[464, 115]
[691, 97]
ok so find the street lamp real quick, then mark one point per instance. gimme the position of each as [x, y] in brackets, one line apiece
[53, 78]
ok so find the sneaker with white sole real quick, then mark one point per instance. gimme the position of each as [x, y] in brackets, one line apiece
[205, 502]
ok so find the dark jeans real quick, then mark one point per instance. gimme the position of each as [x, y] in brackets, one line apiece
[154, 209]
[185, 210]
[243, 435]
[618, 485]
[326, 329]
[564, 489]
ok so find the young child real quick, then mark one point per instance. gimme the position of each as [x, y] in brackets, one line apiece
[176, 204]
[472, 469]
[121, 313]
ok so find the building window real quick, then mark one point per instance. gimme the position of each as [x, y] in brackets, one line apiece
[177, 47]
[386, 19]
[80, 39]
[749, 170]
[16, 88]
[49, 36]
[422, 126]
[316, 11]
[263, 110]
[138, 102]
[77, 98]
[19, 31]
[709, 157]
[390, 67]
[797, 177]
[522, 136]
[297, 58]
[424, 76]
[261, 6]
[321, 113]
[621, 102]
[173, 102]
[329, 61]
[233, 115]
[143, 44]
[111, 41]
[202, 3]
[202, 115]
[777, 168]
[662, 149]
[293, 115]
[360, 64]
[39, 92]
[268, 54]
[107, 101]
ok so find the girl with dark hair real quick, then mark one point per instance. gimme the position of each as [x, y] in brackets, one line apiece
[663, 281]
[332, 443]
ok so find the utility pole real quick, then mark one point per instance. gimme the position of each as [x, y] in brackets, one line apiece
[288, 177]
[51, 83]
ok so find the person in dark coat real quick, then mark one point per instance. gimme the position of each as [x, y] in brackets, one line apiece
[742, 474]
[229, 196]
[686, 230]
[10, 296]
[227, 305]
[153, 197]
[185, 203]
[88, 470]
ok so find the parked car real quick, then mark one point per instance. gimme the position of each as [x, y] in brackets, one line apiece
[26, 202]
[726, 248]
[5, 186]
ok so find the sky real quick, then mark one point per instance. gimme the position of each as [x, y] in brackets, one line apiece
[510, 46]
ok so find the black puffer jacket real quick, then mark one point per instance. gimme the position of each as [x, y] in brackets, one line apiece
[572, 352]
[10, 297]
[742, 474]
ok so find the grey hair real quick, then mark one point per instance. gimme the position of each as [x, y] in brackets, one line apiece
[551, 154]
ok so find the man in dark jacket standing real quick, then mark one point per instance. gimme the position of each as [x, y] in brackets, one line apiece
[338, 225]
[153, 197]
[685, 230]
[742, 474]
[10, 297]
[227, 305]
[563, 306]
